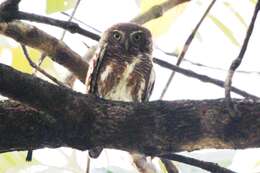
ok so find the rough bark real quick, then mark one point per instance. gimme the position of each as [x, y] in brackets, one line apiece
[84, 121]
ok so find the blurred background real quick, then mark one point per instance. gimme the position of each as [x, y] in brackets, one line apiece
[216, 44]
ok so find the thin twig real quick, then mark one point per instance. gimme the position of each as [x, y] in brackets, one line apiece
[88, 165]
[9, 11]
[38, 68]
[156, 11]
[70, 26]
[42, 57]
[201, 77]
[209, 166]
[80, 21]
[175, 55]
[186, 47]
[220, 69]
[235, 64]
[70, 18]
[71, 82]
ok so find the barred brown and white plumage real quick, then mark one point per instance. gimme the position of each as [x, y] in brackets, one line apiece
[121, 68]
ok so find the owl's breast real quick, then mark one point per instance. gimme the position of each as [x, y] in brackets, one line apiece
[121, 81]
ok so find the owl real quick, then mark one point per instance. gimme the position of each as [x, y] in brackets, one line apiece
[121, 68]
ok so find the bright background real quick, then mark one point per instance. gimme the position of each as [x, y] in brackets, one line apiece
[216, 44]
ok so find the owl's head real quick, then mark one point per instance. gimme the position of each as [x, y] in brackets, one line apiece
[128, 38]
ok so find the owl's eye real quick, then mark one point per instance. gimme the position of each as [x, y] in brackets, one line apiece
[136, 37]
[117, 35]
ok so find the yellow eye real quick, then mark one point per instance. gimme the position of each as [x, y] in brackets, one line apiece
[117, 35]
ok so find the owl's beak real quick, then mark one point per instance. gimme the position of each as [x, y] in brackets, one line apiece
[126, 45]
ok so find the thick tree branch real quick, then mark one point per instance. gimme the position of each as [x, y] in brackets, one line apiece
[83, 121]
[6, 9]
[56, 49]
[17, 134]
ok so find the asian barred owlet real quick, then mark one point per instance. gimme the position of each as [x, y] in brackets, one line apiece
[121, 68]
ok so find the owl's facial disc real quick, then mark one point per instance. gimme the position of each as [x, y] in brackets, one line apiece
[128, 39]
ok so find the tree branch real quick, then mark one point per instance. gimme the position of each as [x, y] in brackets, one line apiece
[201, 77]
[37, 129]
[71, 17]
[175, 55]
[68, 25]
[6, 9]
[157, 11]
[56, 49]
[186, 47]
[9, 11]
[235, 64]
[212, 167]
[68, 114]
[62, 54]
[84, 121]
[33, 65]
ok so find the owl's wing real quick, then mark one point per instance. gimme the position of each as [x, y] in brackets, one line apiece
[150, 85]
[94, 67]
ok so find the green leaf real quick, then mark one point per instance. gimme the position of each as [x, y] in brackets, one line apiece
[225, 30]
[238, 16]
[59, 5]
